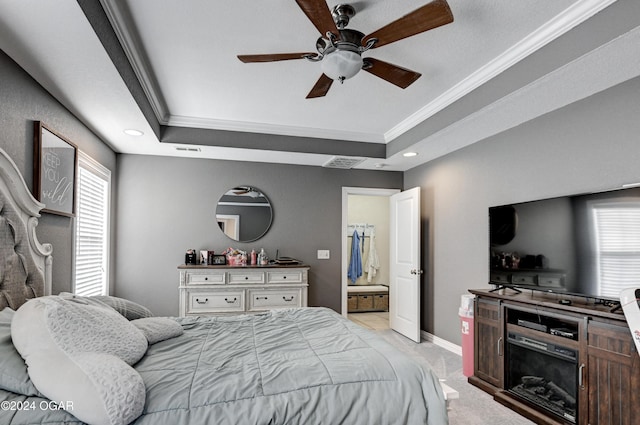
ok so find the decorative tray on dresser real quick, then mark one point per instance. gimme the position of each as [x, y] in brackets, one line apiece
[209, 290]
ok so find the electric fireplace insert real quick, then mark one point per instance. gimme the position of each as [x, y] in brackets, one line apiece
[544, 374]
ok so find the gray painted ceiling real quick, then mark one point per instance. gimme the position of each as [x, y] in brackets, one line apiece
[169, 68]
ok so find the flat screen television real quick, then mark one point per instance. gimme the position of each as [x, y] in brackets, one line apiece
[586, 245]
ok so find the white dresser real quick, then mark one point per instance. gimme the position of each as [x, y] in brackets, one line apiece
[207, 290]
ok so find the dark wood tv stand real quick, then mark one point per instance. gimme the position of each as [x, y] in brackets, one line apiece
[608, 365]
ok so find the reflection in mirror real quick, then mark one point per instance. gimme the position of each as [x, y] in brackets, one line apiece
[244, 214]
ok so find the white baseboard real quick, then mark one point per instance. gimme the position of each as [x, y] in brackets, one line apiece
[449, 346]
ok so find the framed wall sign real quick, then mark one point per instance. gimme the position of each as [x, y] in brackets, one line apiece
[55, 163]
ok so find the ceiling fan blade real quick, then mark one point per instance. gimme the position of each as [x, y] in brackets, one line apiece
[429, 16]
[320, 16]
[321, 88]
[394, 74]
[273, 57]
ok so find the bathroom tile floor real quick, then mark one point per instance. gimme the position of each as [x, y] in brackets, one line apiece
[377, 320]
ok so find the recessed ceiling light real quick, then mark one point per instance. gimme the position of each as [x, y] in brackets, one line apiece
[409, 154]
[133, 132]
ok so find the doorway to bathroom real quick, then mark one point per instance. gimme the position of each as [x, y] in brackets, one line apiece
[384, 221]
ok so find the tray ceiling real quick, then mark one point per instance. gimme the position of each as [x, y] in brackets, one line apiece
[170, 69]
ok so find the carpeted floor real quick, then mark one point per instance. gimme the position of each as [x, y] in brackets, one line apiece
[473, 407]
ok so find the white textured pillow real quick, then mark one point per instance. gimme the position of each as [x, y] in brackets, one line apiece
[157, 329]
[13, 371]
[82, 353]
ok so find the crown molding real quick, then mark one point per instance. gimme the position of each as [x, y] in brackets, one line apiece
[121, 23]
[559, 25]
[600, 69]
[264, 128]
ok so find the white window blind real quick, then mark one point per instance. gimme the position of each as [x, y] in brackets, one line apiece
[92, 228]
[618, 237]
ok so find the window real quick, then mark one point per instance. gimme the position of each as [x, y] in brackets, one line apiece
[618, 246]
[92, 228]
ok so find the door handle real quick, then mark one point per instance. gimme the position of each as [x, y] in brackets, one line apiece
[415, 271]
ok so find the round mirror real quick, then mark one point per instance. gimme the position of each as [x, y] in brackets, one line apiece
[244, 214]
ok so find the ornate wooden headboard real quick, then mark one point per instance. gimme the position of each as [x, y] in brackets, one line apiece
[25, 263]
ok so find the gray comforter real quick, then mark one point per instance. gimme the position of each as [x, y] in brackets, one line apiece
[294, 366]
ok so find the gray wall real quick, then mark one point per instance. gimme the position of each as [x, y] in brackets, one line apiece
[23, 101]
[591, 145]
[166, 205]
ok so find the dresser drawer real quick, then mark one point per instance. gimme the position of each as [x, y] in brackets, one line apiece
[206, 278]
[222, 290]
[268, 299]
[284, 276]
[212, 302]
[246, 277]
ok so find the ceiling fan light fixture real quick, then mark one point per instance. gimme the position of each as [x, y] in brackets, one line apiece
[340, 49]
[341, 64]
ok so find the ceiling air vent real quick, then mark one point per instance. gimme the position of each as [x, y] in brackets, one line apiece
[343, 162]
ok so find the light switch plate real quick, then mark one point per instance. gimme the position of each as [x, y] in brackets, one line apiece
[323, 254]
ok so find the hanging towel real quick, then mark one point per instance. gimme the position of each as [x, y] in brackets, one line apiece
[373, 262]
[355, 265]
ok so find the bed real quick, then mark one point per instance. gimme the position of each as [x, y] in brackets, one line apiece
[289, 366]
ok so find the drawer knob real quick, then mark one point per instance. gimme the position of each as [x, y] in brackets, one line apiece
[262, 298]
[284, 277]
[231, 301]
[206, 278]
[206, 300]
[246, 278]
[288, 299]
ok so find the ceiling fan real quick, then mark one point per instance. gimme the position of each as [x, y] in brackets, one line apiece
[245, 191]
[340, 49]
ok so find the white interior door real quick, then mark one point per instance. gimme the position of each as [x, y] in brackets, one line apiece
[346, 192]
[405, 271]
